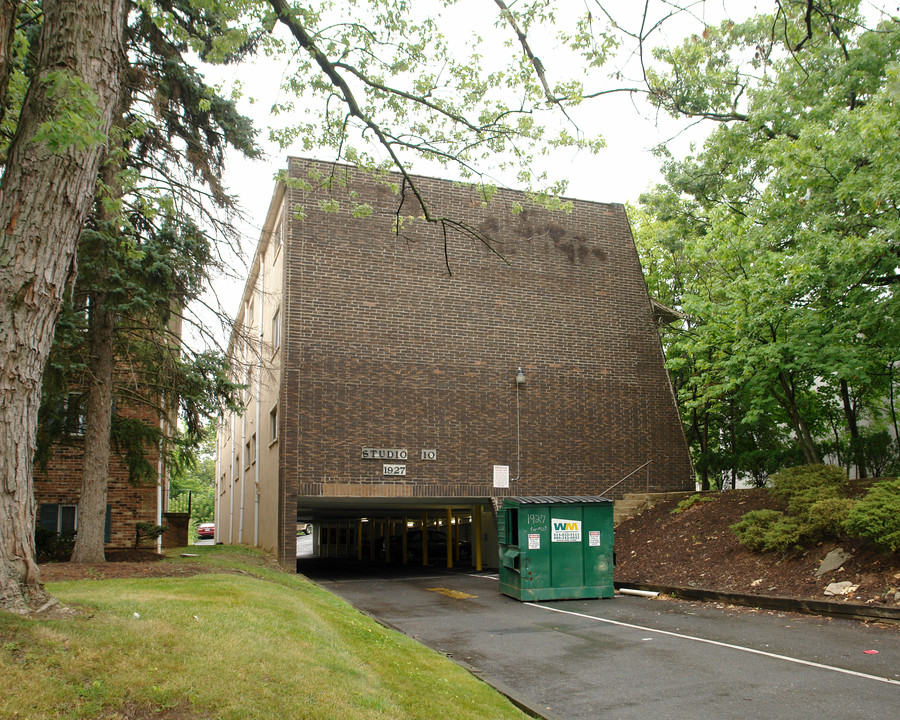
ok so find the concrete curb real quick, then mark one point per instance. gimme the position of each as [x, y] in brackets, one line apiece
[855, 611]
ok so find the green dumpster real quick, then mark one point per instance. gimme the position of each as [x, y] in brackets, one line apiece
[556, 548]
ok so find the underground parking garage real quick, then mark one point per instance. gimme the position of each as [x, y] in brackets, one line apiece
[460, 534]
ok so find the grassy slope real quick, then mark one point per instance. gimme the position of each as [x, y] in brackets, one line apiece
[258, 643]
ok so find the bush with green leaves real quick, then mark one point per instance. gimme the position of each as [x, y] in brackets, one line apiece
[50, 546]
[805, 481]
[815, 509]
[788, 534]
[752, 527]
[877, 516]
[691, 500]
[803, 500]
[826, 517]
[147, 531]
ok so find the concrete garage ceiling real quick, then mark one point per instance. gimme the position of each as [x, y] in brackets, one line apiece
[318, 509]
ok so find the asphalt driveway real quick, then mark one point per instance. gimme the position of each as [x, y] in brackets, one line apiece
[631, 657]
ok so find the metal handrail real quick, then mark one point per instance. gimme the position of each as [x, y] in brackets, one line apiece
[626, 477]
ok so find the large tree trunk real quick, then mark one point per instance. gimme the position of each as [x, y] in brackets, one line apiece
[45, 195]
[97, 422]
[101, 354]
[702, 433]
[9, 10]
[804, 437]
[857, 452]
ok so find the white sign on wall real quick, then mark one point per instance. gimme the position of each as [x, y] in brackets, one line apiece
[385, 454]
[501, 476]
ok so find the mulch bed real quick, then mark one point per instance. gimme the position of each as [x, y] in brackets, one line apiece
[696, 549]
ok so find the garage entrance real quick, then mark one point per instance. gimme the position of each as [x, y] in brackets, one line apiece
[459, 533]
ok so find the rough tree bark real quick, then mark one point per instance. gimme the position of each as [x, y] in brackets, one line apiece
[789, 402]
[857, 453]
[45, 194]
[101, 354]
[97, 422]
[9, 10]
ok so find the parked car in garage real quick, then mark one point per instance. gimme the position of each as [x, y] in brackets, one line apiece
[206, 530]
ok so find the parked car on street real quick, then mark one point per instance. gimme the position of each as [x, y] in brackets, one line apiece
[206, 530]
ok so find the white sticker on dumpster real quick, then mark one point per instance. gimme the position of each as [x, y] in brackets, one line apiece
[534, 541]
[565, 531]
[594, 538]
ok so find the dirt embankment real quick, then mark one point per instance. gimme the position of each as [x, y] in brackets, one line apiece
[696, 549]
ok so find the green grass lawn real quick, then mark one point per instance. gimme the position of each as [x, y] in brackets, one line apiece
[256, 643]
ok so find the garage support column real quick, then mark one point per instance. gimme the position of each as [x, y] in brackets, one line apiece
[387, 539]
[425, 540]
[359, 543]
[476, 516]
[404, 549]
[450, 542]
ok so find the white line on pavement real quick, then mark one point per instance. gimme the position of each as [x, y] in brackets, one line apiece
[798, 661]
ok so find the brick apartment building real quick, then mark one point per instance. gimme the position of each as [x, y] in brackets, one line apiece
[57, 489]
[383, 365]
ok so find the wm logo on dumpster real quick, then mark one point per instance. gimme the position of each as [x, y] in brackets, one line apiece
[565, 530]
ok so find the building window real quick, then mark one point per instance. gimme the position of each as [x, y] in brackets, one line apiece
[278, 237]
[73, 414]
[253, 448]
[276, 330]
[273, 423]
[247, 447]
[62, 519]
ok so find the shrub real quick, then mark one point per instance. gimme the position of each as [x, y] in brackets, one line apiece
[802, 500]
[877, 516]
[51, 546]
[787, 534]
[772, 531]
[147, 531]
[826, 517]
[751, 528]
[687, 502]
[793, 481]
[816, 508]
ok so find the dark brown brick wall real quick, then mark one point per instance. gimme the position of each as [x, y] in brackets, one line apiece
[60, 484]
[386, 348]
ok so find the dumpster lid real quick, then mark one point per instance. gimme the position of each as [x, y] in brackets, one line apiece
[557, 499]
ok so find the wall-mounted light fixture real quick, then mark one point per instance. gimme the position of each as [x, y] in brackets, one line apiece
[520, 380]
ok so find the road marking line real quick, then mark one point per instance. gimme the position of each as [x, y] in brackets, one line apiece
[776, 656]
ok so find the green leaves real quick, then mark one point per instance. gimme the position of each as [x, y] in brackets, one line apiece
[74, 116]
[778, 239]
